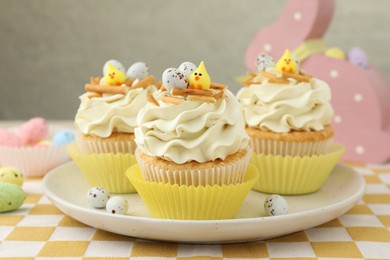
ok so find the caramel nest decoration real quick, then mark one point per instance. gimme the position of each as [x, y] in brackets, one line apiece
[98, 90]
[272, 78]
[181, 94]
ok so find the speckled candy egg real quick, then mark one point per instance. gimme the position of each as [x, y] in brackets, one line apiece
[174, 78]
[187, 68]
[98, 197]
[264, 61]
[33, 131]
[11, 197]
[63, 137]
[11, 175]
[275, 205]
[117, 64]
[117, 205]
[138, 70]
[358, 57]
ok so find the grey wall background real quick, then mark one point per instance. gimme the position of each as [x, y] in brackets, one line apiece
[49, 49]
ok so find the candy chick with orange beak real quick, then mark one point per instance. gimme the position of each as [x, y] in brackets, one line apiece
[286, 63]
[199, 79]
[114, 76]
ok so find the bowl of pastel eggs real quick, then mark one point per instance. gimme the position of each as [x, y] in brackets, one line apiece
[34, 147]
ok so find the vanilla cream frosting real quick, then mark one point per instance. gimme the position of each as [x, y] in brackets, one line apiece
[111, 113]
[191, 131]
[281, 108]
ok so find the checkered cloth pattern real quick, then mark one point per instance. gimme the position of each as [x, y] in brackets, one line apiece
[39, 230]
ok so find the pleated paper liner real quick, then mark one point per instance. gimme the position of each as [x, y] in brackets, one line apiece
[35, 161]
[285, 148]
[232, 170]
[105, 170]
[295, 174]
[173, 201]
[122, 143]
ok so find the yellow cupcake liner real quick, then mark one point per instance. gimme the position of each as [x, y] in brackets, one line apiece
[105, 170]
[295, 174]
[173, 201]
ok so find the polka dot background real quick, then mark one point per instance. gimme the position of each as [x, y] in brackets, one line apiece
[39, 230]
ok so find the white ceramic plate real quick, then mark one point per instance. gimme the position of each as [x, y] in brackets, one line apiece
[66, 187]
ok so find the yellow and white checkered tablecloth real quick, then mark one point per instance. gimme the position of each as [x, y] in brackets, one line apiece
[39, 230]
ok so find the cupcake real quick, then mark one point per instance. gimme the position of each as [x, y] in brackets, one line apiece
[191, 137]
[288, 114]
[106, 119]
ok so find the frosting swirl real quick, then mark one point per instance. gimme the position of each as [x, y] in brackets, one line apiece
[111, 113]
[192, 130]
[281, 108]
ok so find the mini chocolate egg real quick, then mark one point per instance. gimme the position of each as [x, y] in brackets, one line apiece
[335, 53]
[117, 64]
[275, 205]
[174, 78]
[33, 131]
[297, 61]
[117, 205]
[264, 61]
[63, 137]
[187, 68]
[11, 175]
[11, 196]
[358, 57]
[98, 197]
[138, 70]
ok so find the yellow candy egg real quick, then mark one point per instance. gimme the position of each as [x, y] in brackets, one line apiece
[335, 53]
[11, 175]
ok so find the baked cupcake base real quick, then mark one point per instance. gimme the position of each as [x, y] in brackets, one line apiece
[173, 201]
[295, 143]
[116, 143]
[105, 170]
[295, 174]
[229, 171]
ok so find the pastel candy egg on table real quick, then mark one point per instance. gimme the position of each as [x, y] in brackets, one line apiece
[174, 78]
[117, 205]
[98, 197]
[8, 138]
[264, 61]
[63, 137]
[11, 175]
[117, 64]
[11, 196]
[43, 144]
[275, 205]
[34, 130]
[138, 70]
[187, 68]
[358, 57]
[335, 53]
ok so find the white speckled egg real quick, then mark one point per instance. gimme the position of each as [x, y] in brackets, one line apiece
[98, 197]
[275, 205]
[11, 175]
[117, 205]
[264, 61]
[187, 68]
[138, 70]
[117, 64]
[174, 78]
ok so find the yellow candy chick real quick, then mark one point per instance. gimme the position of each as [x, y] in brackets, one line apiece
[114, 76]
[286, 63]
[199, 79]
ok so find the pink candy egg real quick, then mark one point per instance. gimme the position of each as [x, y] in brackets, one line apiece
[8, 138]
[33, 131]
